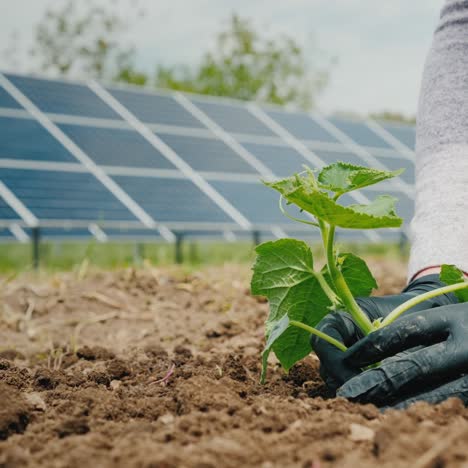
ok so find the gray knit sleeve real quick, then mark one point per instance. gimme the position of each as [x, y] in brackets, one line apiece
[439, 230]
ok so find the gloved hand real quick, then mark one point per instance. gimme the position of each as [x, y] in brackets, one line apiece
[335, 367]
[434, 369]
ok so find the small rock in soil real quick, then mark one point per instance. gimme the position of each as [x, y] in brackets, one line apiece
[360, 433]
[167, 418]
[115, 384]
[36, 401]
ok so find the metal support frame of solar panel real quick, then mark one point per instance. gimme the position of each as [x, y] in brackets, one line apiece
[246, 144]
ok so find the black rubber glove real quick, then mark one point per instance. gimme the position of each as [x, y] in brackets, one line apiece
[335, 369]
[433, 370]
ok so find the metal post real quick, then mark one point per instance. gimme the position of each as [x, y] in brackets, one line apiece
[193, 254]
[138, 253]
[256, 238]
[179, 256]
[403, 243]
[36, 239]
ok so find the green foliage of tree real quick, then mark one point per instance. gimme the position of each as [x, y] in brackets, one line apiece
[86, 39]
[394, 117]
[245, 65]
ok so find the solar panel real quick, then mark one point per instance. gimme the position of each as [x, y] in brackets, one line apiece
[378, 235]
[359, 132]
[72, 195]
[51, 233]
[27, 139]
[329, 157]
[6, 212]
[7, 101]
[206, 154]
[57, 195]
[233, 118]
[115, 233]
[6, 235]
[116, 147]
[257, 202]
[156, 109]
[60, 97]
[405, 133]
[397, 162]
[175, 200]
[282, 160]
[302, 126]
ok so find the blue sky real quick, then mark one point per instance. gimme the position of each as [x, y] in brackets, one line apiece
[380, 45]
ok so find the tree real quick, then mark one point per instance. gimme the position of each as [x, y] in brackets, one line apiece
[394, 117]
[82, 39]
[247, 66]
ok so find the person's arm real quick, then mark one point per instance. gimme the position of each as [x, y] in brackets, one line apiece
[424, 353]
[439, 230]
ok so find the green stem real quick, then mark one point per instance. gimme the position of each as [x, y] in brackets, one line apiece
[342, 288]
[318, 333]
[335, 300]
[421, 298]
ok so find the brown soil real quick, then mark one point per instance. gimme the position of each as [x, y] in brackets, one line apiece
[159, 368]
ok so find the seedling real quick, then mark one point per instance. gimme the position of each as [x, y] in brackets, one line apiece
[301, 295]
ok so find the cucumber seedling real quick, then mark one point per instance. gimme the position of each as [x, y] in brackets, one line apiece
[301, 295]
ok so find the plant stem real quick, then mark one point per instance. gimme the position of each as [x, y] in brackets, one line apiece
[318, 333]
[421, 298]
[342, 288]
[335, 300]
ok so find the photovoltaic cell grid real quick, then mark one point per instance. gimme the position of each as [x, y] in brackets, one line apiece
[302, 126]
[233, 118]
[6, 212]
[26, 139]
[169, 196]
[156, 109]
[57, 195]
[112, 147]
[57, 97]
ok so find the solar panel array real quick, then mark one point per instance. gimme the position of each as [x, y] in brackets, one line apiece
[84, 160]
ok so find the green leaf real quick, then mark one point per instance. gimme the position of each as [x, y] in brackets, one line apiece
[357, 274]
[378, 214]
[341, 177]
[450, 274]
[283, 272]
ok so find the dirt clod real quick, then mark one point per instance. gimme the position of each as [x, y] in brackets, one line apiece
[45, 379]
[14, 412]
[117, 369]
[73, 426]
[94, 353]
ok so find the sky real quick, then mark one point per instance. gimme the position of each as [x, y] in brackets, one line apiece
[378, 46]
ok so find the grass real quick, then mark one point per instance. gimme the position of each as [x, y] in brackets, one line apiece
[65, 256]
